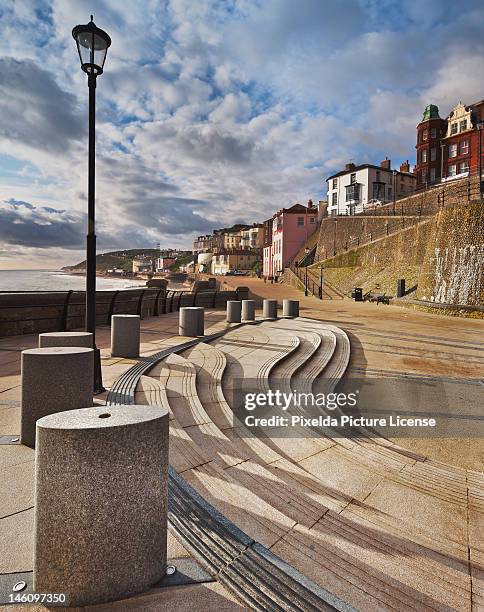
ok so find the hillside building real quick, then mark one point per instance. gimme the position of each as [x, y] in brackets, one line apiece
[449, 148]
[359, 187]
[291, 227]
[226, 262]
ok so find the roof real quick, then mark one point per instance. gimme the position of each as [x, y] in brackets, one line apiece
[431, 112]
[362, 167]
[236, 252]
[296, 209]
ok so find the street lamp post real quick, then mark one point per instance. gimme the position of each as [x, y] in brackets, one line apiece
[306, 252]
[92, 46]
[394, 191]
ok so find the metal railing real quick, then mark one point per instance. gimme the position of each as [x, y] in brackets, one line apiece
[423, 206]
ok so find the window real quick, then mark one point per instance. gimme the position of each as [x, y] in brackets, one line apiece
[378, 190]
[424, 176]
[452, 170]
[463, 125]
[464, 166]
[378, 176]
[433, 133]
[353, 178]
[353, 192]
[425, 135]
[424, 156]
[432, 175]
[453, 128]
[453, 150]
[433, 154]
[335, 199]
[335, 183]
[464, 147]
[300, 220]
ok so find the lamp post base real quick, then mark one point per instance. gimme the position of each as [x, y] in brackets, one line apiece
[98, 375]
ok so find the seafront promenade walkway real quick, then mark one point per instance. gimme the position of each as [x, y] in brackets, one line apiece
[384, 525]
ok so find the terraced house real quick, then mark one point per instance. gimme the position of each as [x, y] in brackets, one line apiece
[449, 148]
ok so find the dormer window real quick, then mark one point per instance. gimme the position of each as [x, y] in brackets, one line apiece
[463, 125]
[454, 128]
[425, 134]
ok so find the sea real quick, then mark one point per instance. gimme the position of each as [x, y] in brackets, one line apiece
[55, 280]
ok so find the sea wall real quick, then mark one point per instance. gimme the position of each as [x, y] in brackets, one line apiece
[28, 313]
[378, 265]
[441, 259]
[453, 267]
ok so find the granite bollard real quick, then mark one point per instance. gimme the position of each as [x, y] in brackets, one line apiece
[290, 308]
[53, 379]
[101, 491]
[125, 335]
[234, 311]
[248, 310]
[269, 309]
[191, 321]
[65, 339]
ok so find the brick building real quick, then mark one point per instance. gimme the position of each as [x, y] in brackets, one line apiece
[449, 148]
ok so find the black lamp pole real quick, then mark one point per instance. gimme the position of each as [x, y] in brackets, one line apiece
[92, 45]
[91, 236]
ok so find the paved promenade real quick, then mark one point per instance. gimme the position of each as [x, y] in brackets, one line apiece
[389, 530]
[395, 341]
[17, 474]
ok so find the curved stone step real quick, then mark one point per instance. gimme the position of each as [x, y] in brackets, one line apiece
[364, 521]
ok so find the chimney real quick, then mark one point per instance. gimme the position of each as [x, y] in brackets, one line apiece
[349, 167]
[310, 204]
[386, 164]
[405, 167]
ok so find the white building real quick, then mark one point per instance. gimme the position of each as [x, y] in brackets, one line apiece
[359, 187]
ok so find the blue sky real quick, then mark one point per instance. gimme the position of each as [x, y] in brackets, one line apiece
[211, 111]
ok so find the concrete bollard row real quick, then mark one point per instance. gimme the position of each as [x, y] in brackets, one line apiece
[125, 335]
[65, 339]
[234, 311]
[53, 379]
[101, 491]
[191, 321]
[248, 310]
[269, 309]
[290, 308]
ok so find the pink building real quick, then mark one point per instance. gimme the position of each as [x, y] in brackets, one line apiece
[291, 227]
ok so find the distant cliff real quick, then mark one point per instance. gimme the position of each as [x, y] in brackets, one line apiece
[115, 259]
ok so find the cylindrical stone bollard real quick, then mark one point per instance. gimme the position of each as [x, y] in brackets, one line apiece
[125, 335]
[191, 321]
[234, 311]
[290, 308]
[65, 339]
[269, 309]
[101, 490]
[248, 310]
[53, 379]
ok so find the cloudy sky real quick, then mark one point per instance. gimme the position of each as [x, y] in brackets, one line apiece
[211, 111]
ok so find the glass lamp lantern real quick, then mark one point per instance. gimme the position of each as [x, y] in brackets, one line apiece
[92, 46]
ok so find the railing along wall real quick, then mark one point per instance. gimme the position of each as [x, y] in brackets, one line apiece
[44, 311]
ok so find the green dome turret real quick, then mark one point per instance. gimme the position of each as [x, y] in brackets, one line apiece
[431, 112]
